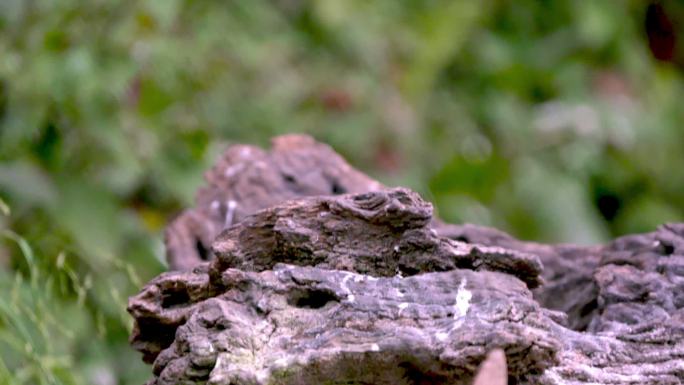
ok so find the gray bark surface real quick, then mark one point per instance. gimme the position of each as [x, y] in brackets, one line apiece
[246, 179]
[313, 285]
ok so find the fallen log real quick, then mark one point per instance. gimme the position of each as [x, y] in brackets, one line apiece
[316, 285]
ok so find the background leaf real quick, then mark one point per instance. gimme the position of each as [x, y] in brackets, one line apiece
[555, 121]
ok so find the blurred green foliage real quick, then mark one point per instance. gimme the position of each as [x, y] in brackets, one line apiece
[550, 120]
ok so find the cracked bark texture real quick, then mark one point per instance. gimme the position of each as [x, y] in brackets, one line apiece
[246, 179]
[381, 233]
[306, 286]
[307, 325]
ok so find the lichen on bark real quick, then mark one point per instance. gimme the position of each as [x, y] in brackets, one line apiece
[306, 271]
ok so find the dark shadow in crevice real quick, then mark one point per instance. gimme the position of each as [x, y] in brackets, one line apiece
[311, 298]
[173, 297]
[201, 250]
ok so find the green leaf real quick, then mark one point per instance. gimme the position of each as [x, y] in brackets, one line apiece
[4, 208]
[27, 184]
[92, 218]
[27, 252]
[468, 175]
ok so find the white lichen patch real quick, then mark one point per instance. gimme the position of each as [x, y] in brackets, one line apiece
[343, 284]
[230, 213]
[217, 368]
[442, 336]
[345, 288]
[402, 306]
[463, 297]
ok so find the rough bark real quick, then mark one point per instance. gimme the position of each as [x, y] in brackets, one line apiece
[307, 325]
[382, 233]
[247, 179]
[369, 288]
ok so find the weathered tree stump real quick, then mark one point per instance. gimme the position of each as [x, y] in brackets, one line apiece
[290, 279]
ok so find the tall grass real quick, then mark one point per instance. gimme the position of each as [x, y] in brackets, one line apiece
[53, 329]
[35, 325]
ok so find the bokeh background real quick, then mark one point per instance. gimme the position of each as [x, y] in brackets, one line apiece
[558, 121]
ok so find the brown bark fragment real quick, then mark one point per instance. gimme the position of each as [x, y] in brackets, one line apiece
[247, 179]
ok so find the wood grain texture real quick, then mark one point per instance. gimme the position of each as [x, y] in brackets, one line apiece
[315, 286]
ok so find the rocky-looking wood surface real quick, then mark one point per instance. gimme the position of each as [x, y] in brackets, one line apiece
[294, 268]
[247, 179]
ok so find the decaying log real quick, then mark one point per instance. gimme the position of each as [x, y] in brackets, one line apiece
[247, 179]
[315, 286]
